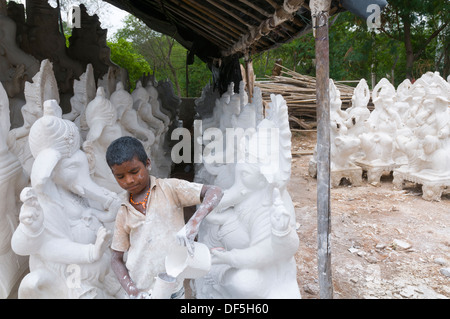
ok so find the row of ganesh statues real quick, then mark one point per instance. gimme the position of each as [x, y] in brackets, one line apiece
[60, 196]
[407, 133]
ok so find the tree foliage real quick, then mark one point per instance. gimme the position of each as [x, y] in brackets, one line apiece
[124, 54]
[166, 57]
[356, 52]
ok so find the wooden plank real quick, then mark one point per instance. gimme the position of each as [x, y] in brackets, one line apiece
[246, 12]
[212, 35]
[219, 19]
[229, 13]
[255, 7]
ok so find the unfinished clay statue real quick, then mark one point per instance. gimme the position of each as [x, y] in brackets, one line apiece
[252, 234]
[142, 106]
[101, 119]
[170, 102]
[84, 92]
[155, 102]
[377, 142]
[109, 81]
[161, 155]
[216, 153]
[426, 139]
[43, 87]
[403, 97]
[66, 218]
[12, 180]
[358, 113]
[382, 125]
[127, 116]
[147, 120]
[342, 145]
[16, 66]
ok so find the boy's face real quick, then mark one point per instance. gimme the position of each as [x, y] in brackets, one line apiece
[132, 175]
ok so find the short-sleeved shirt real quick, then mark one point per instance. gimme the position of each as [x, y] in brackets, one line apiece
[147, 239]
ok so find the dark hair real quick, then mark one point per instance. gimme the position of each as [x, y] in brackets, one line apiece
[124, 149]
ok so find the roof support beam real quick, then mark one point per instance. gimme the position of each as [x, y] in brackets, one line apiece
[281, 15]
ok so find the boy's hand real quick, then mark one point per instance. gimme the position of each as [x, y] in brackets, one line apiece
[186, 237]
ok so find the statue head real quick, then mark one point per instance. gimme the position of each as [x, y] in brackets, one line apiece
[361, 95]
[51, 131]
[59, 161]
[121, 99]
[101, 110]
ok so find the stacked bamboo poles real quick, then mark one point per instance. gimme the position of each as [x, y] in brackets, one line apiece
[299, 91]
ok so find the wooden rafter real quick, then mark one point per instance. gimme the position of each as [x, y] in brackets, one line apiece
[218, 19]
[281, 15]
[217, 5]
[243, 10]
[214, 37]
[202, 18]
[255, 7]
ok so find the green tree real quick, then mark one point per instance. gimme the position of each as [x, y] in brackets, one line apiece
[417, 24]
[166, 56]
[124, 54]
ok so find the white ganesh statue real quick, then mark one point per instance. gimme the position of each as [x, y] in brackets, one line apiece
[251, 234]
[66, 219]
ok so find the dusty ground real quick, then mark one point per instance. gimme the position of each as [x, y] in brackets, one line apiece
[372, 228]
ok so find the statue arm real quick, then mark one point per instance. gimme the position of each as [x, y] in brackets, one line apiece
[271, 250]
[65, 251]
[25, 243]
[54, 249]
[281, 244]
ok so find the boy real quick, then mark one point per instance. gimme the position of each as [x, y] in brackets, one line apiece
[150, 215]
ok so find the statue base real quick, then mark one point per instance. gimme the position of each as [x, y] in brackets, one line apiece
[432, 186]
[375, 171]
[352, 174]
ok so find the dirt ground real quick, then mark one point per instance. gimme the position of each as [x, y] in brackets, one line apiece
[385, 243]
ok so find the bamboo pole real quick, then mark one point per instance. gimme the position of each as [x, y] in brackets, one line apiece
[323, 151]
[299, 91]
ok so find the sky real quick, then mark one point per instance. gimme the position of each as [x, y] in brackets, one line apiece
[113, 20]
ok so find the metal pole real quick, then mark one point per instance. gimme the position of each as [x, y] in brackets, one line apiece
[323, 155]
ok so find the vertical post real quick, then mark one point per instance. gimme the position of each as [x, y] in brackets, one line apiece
[323, 149]
[187, 74]
[249, 73]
